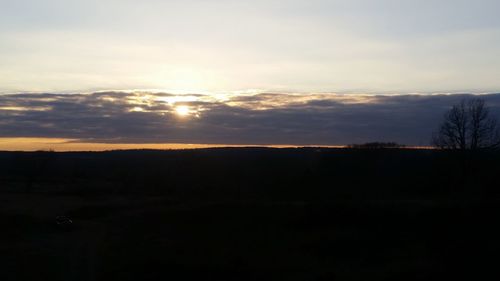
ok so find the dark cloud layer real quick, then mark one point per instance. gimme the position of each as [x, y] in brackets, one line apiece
[118, 117]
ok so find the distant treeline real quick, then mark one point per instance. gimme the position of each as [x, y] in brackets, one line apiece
[376, 145]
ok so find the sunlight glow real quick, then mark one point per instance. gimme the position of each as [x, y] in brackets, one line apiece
[178, 98]
[25, 108]
[182, 110]
[61, 144]
[137, 109]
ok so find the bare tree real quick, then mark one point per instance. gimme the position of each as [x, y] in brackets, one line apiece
[468, 125]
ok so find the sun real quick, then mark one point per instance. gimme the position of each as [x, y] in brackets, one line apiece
[182, 110]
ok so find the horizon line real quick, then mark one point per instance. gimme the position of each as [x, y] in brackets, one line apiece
[72, 145]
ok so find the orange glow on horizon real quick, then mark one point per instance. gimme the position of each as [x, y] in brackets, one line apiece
[63, 145]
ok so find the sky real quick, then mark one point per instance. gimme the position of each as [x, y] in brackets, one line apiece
[240, 72]
[221, 46]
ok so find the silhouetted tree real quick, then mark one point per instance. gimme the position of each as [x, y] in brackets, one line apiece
[468, 125]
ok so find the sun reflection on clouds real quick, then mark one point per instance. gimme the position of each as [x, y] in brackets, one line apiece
[172, 100]
[25, 108]
[266, 101]
[137, 109]
[185, 104]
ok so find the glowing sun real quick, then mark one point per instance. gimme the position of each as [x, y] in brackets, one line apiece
[182, 110]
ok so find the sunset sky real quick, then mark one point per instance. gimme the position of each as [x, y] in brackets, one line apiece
[240, 72]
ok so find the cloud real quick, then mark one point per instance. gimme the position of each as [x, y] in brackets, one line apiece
[300, 119]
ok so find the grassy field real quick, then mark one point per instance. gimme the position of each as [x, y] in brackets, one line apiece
[156, 235]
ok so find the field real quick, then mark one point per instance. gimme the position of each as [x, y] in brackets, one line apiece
[249, 214]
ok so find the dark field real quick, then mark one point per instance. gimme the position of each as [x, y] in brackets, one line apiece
[250, 214]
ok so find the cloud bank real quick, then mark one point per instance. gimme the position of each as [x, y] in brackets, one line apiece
[266, 118]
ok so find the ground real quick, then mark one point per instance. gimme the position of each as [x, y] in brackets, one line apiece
[243, 229]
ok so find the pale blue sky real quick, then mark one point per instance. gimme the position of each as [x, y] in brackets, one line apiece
[221, 46]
